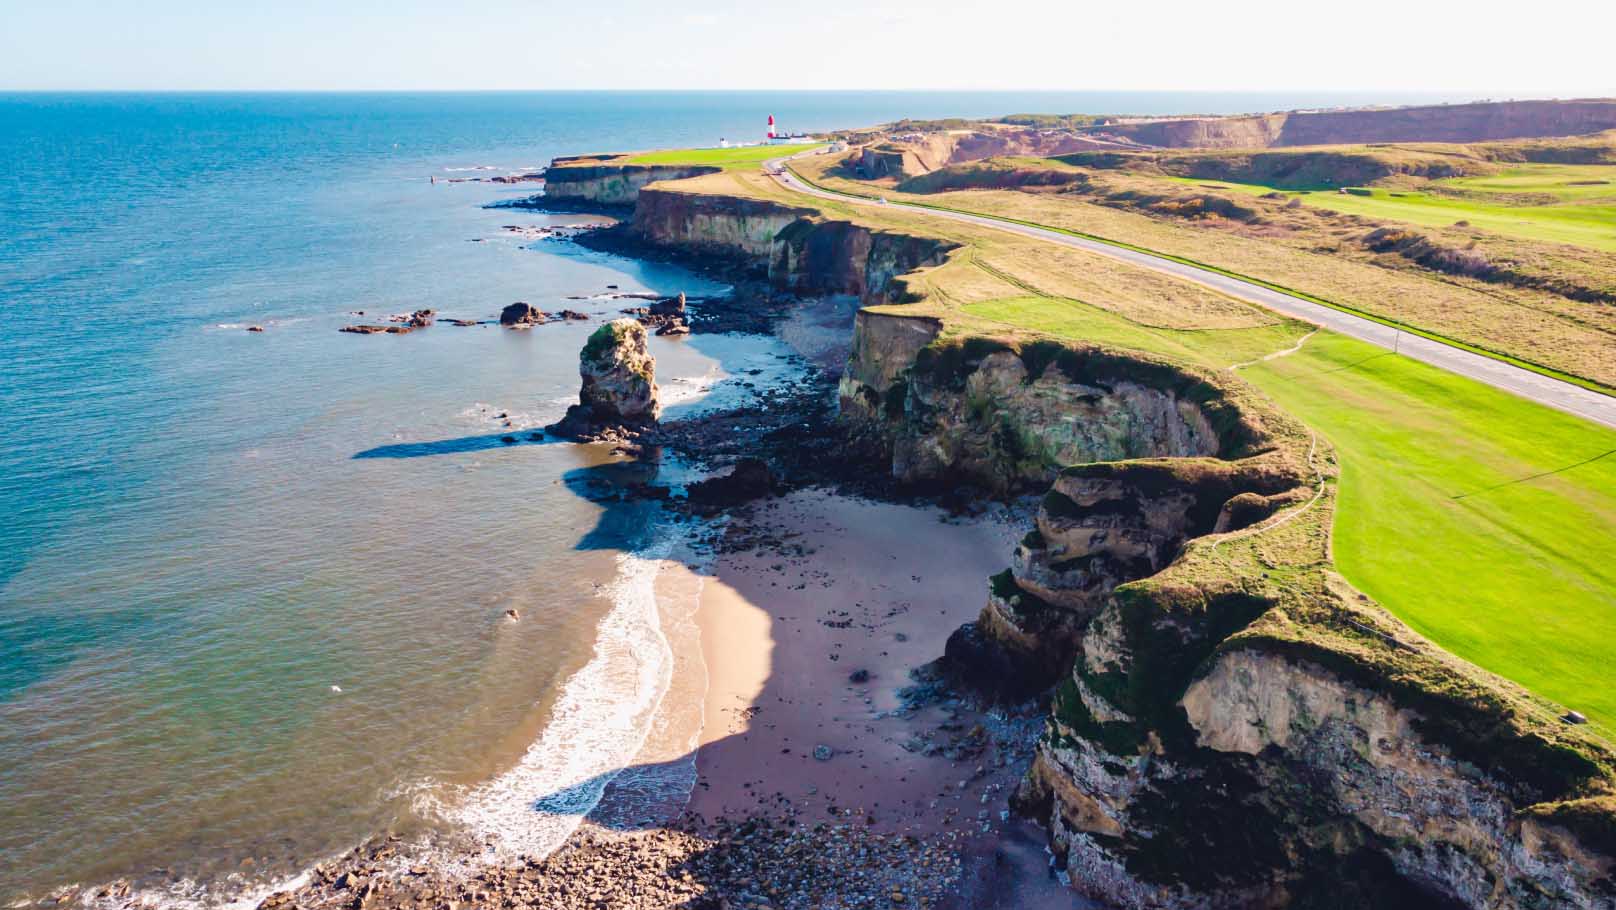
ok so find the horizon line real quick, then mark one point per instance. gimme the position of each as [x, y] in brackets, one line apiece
[1478, 94]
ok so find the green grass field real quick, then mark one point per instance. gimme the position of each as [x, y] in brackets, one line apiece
[1574, 207]
[1484, 521]
[746, 156]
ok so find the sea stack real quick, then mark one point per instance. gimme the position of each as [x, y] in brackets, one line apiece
[618, 396]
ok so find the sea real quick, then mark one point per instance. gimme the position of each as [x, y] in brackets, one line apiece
[254, 585]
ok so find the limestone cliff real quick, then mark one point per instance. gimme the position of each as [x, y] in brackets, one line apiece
[801, 252]
[600, 181]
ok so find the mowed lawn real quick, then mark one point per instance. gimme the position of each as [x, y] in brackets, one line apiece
[1484, 521]
[1579, 207]
[744, 156]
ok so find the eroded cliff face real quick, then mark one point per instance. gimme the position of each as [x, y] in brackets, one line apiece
[717, 226]
[801, 252]
[609, 185]
[1448, 828]
[1007, 417]
[1270, 780]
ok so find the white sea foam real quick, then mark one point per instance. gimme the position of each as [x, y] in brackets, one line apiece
[234, 892]
[684, 389]
[597, 727]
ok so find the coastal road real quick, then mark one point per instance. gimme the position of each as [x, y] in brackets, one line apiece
[1547, 390]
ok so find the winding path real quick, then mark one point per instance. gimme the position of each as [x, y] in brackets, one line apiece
[1537, 387]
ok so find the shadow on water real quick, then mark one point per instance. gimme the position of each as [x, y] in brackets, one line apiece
[458, 446]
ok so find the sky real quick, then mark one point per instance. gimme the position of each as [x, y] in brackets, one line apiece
[1545, 49]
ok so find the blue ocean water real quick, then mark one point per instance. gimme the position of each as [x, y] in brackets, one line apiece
[199, 541]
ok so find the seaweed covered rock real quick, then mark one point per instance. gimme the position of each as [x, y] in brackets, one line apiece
[619, 392]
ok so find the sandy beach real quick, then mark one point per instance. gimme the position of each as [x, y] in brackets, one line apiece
[810, 625]
[807, 645]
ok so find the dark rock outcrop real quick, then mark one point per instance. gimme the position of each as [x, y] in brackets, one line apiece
[521, 315]
[750, 479]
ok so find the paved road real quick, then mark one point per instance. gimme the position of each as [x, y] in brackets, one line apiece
[1525, 383]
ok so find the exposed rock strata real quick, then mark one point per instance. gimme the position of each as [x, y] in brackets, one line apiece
[576, 181]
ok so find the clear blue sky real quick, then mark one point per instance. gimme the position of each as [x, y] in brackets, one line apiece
[1543, 48]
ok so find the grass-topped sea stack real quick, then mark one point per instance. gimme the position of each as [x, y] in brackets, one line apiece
[619, 392]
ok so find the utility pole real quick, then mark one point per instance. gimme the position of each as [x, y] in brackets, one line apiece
[1397, 341]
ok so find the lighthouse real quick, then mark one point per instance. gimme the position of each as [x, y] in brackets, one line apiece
[771, 126]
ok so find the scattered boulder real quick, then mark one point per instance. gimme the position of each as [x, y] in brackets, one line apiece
[674, 329]
[512, 615]
[573, 315]
[859, 676]
[618, 396]
[1574, 717]
[521, 315]
[823, 752]
[461, 322]
[255, 328]
[419, 319]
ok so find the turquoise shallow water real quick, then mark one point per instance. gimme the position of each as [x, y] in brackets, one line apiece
[205, 530]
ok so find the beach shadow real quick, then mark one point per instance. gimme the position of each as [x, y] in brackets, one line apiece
[458, 446]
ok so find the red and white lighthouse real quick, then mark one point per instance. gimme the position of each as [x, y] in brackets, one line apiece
[771, 126]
